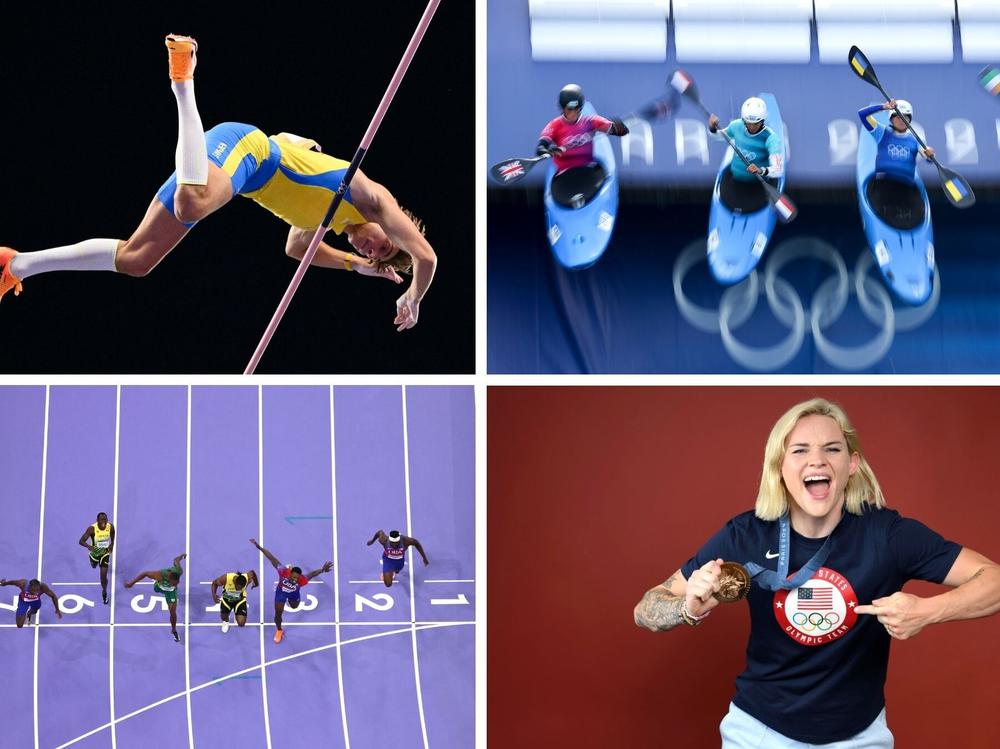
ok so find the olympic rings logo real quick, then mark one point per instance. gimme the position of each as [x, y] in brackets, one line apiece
[822, 622]
[575, 141]
[828, 303]
[898, 152]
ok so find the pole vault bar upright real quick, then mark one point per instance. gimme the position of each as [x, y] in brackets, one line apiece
[383, 106]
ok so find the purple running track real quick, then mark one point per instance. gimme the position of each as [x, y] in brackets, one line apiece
[311, 472]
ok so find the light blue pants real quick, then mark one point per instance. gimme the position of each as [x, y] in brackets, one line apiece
[740, 730]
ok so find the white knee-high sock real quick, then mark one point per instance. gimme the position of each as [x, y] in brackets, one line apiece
[91, 254]
[191, 156]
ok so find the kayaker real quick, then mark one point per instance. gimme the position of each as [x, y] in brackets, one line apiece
[897, 146]
[570, 136]
[760, 143]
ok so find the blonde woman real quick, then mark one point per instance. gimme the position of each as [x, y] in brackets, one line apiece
[827, 561]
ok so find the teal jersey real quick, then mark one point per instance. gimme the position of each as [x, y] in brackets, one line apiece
[757, 148]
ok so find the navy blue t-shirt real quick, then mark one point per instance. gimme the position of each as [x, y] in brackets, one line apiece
[815, 669]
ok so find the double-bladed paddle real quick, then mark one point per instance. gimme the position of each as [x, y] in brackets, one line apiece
[956, 187]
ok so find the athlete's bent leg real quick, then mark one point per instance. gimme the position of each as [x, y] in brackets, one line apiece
[173, 616]
[241, 620]
[387, 578]
[279, 609]
[195, 202]
[19, 620]
[157, 234]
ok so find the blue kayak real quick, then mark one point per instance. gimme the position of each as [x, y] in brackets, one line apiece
[896, 216]
[740, 227]
[581, 206]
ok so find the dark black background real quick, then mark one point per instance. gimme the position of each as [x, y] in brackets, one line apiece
[89, 126]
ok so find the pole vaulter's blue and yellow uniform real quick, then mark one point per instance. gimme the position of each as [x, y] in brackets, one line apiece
[294, 183]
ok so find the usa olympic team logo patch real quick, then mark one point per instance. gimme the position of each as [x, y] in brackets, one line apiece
[819, 611]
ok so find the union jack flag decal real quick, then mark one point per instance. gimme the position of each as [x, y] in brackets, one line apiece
[511, 170]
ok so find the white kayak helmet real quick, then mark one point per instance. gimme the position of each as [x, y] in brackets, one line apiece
[905, 108]
[753, 110]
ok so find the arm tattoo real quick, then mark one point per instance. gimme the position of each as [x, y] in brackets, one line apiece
[659, 610]
[980, 571]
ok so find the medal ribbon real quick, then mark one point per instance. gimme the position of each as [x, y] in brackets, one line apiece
[771, 580]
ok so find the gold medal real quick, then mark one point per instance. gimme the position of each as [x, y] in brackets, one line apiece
[734, 583]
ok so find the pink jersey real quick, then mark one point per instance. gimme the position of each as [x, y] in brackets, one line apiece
[576, 137]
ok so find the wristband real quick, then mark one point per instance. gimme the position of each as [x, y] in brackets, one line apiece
[347, 263]
[690, 618]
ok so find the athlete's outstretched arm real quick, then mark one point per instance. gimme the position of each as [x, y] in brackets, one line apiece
[252, 578]
[86, 534]
[153, 575]
[325, 568]
[380, 206]
[379, 536]
[15, 583]
[270, 557]
[55, 599]
[976, 583]
[416, 545]
[177, 562]
[330, 257]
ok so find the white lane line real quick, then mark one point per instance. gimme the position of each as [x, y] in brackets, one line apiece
[52, 585]
[250, 669]
[187, 577]
[41, 530]
[336, 574]
[114, 514]
[449, 581]
[260, 554]
[367, 582]
[96, 625]
[413, 599]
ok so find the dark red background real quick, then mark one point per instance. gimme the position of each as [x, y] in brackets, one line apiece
[597, 494]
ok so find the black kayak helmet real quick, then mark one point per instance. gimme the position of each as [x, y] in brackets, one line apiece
[571, 97]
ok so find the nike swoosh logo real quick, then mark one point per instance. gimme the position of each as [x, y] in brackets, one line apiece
[769, 555]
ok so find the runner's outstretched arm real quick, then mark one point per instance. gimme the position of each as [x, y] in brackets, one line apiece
[416, 544]
[270, 557]
[55, 599]
[325, 568]
[151, 574]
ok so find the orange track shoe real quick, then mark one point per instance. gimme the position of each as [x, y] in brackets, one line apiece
[278, 635]
[183, 54]
[8, 280]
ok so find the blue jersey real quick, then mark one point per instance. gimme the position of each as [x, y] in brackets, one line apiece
[816, 670]
[757, 148]
[897, 152]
